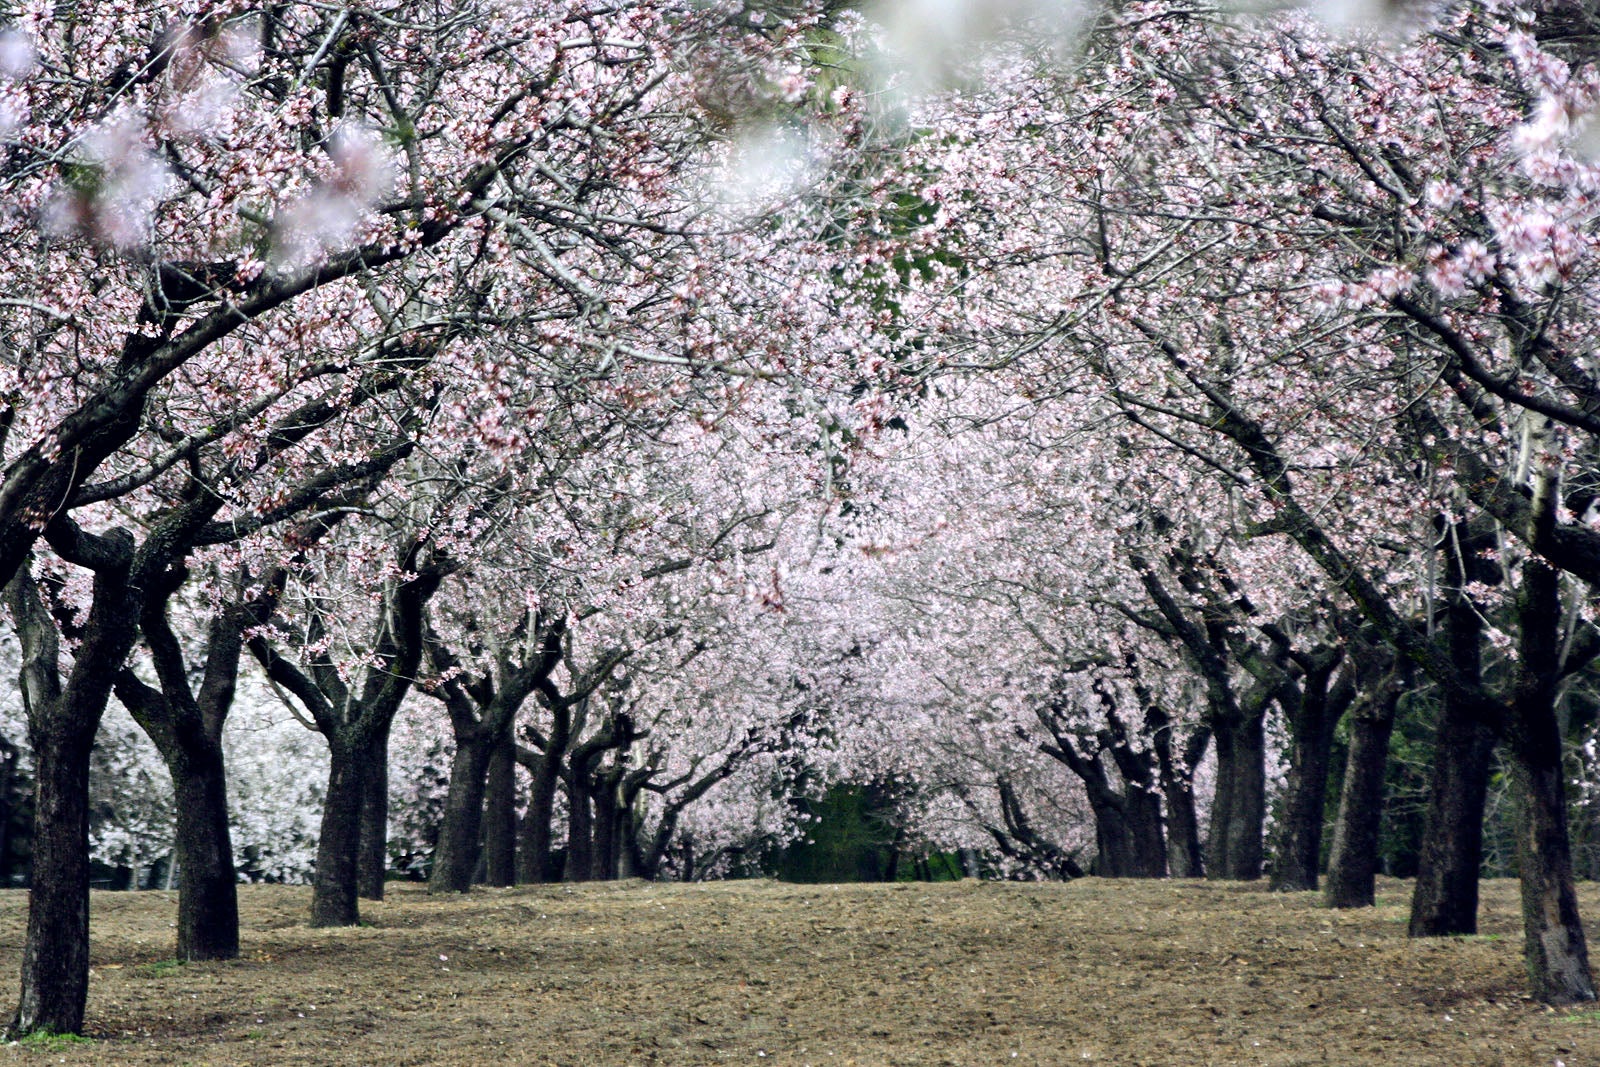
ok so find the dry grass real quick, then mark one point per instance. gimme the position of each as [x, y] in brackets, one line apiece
[756, 972]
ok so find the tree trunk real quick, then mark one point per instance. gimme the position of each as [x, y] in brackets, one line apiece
[500, 812]
[1445, 900]
[580, 833]
[456, 855]
[372, 864]
[1239, 810]
[604, 860]
[333, 894]
[1184, 857]
[1353, 862]
[533, 853]
[208, 895]
[55, 957]
[1299, 847]
[1553, 944]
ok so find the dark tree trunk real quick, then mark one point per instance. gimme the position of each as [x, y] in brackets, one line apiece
[605, 833]
[580, 832]
[372, 863]
[62, 723]
[455, 858]
[500, 812]
[1554, 946]
[534, 864]
[1184, 856]
[1445, 900]
[334, 890]
[1299, 848]
[208, 895]
[1557, 953]
[55, 957]
[1240, 809]
[1353, 861]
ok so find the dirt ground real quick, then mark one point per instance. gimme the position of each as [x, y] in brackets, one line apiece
[758, 972]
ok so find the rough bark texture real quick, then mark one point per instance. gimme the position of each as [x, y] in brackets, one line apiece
[334, 891]
[62, 722]
[1444, 902]
[208, 901]
[1184, 854]
[580, 830]
[55, 961]
[534, 849]
[455, 857]
[1299, 846]
[1353, 861]
[1240, 808]
[1445, 899]
[372, 858]
[500, 813]
[1556, 952]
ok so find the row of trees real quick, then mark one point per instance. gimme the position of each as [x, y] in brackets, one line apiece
[1058, 439]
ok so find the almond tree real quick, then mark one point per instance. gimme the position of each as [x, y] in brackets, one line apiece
[1171, 250]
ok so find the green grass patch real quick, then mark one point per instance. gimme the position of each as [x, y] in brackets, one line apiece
[1590, 1017]
[159, 969]
[50, 1041]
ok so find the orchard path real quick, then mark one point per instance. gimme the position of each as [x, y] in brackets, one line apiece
[1094, 971]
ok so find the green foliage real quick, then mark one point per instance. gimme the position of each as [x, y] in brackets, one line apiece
[159, 968]
[48, 1040]
[851, 839]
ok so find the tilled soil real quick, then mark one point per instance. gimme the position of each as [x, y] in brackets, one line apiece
[1097, 971]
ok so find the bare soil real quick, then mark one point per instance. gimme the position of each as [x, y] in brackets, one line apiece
[758, 972]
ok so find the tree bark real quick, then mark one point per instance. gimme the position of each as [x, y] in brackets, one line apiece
[500, 812]
[534, 866]
[55, 957]
[1184, 855]
[372, 858]
[1353, 861]
[455, 858]
[1239, 811]
[62, 722]
[334, 888]
[208, 896]
[1444, 902]
[580, 831]
[1554, 947]
[1299, 848]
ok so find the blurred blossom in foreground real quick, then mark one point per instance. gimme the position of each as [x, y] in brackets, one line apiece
[16, 55]
[330, 212]
[928, 42]
[114, 187]
[765, 165]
